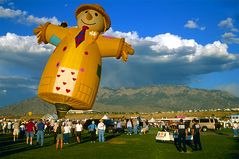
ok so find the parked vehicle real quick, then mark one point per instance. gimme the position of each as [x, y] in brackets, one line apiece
[208, 123]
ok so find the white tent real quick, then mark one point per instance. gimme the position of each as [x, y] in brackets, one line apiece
[152, 120]
[49, 117]
[105, 117]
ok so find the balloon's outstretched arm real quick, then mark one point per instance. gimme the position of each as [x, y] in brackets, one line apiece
[50, 33]
[114, 47]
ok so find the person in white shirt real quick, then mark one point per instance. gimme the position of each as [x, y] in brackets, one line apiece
[79, 129]
[129, 127]
[67, 131]
[101, 131]
[15, 130]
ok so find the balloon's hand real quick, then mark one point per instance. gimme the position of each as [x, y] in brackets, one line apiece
[40, 32]
[126, 50]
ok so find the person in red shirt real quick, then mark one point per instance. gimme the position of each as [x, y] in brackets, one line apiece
[30, 130]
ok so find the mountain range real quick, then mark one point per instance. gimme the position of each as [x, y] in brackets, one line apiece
[143, 99]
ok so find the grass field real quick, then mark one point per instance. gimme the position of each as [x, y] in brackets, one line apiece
[216, 145]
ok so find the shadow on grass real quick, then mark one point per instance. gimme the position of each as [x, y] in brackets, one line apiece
[8, 147]
[86, 139]
[235, 148]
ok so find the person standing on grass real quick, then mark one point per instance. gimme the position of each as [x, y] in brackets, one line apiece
[9, 127]
[119, 126]
[101, 131]
[129, 127]
[30, 131]
[59, 136]
[79, 129]
[16, 127]
[92, 130]
[4, 127]
[54, 130]
[67, 131]
[40, 132]
[235, 128]
[196, 129]
[182, 134]
[135, 123]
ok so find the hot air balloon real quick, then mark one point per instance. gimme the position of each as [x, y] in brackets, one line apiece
[72, 75]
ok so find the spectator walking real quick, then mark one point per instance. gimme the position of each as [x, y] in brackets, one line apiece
[182, 134]
[40, 132]
[79, 129]
[59, 137]
[101, 131]
[16, 126]
[92, 130]
[30, 130]
[196, 129]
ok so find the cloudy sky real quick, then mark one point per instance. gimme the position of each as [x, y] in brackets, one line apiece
[182, 42]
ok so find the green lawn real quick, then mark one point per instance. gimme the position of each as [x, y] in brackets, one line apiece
[216, 145]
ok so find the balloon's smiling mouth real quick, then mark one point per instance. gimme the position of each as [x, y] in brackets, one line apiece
[87, 23]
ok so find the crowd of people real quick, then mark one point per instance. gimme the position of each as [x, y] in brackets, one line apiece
[63, 130]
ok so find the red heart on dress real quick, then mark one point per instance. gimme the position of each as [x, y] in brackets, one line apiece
[64, 83]
[58, 75]
[62, 71]
[72, 73]
[74, 79]
[58, 88]
[68, 90]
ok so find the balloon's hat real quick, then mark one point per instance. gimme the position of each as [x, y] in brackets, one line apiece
[62, 109]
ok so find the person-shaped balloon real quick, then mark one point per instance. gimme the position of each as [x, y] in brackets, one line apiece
[71, 77]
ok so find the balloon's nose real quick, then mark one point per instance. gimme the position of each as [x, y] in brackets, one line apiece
[88, 16]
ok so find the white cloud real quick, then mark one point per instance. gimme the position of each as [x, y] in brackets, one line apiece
[24, 18]
[173, 47]
[167, 58]
[163, 58]
[193, 25]
[10, 13]
[3, 92]
[228, 24]
[230, 38]
[13, 43]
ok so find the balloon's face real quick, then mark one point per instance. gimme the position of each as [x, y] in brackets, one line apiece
[92, 19]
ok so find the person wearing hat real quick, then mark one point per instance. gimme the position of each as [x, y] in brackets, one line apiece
[101, 131]
[196, 129]
[71, 77]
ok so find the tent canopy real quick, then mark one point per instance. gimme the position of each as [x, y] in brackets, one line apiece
[49, 117]
[152, 120]
[105, 117]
